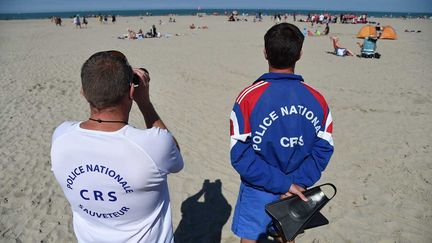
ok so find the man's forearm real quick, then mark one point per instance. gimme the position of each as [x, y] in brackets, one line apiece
[152, 119]
[150, 115]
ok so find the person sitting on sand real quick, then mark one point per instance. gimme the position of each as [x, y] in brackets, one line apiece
[148, 34]
[140, 34]
[192, 26]
[231, 18]
[316, 33]
[368, 47]
[326, 30]
[131, 34]
[338, 49]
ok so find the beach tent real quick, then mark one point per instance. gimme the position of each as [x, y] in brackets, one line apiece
[388, 33]
[366, 31]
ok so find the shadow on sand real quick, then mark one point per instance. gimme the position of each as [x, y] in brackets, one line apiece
[331, 52]
[203, 215]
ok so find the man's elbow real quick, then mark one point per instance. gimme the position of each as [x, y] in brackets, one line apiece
[177, 168]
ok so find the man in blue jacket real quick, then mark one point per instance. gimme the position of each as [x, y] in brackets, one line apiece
[281, 134]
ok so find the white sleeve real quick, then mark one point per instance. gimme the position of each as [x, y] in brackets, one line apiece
[163, 150]
[62, 129]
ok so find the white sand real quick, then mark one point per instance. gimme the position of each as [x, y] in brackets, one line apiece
[382, 112]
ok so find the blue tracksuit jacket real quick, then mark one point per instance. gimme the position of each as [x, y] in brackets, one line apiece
[281, 133]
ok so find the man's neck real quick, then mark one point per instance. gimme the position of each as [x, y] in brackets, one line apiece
[284, 70]
[109, 119]
[115, 113]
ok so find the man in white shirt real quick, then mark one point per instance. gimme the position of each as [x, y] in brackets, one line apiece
[321, 18]
[114, 175]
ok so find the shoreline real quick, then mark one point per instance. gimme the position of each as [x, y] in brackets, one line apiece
[208, 12]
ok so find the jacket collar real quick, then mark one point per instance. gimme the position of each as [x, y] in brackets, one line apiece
[279, 76]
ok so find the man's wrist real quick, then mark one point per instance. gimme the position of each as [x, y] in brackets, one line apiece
[143, 104]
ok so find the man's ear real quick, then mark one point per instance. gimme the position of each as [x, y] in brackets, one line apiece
[301, 54]
[82, 92]
[131, 91]
[265, 54]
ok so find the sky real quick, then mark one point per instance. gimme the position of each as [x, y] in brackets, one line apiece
[29, 6]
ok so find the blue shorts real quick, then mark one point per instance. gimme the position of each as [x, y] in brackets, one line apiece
[250, 219]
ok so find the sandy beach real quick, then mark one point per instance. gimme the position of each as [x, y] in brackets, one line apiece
[382, 111]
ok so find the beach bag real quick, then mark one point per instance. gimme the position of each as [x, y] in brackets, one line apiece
[291, 215]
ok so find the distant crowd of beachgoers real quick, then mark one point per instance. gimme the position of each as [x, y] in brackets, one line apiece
[313, 18]
[80, 22]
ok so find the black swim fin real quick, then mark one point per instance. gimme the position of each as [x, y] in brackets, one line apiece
[291, 216]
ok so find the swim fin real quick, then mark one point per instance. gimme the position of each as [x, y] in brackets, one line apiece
[291, 216]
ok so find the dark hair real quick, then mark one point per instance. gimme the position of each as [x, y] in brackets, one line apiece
[106, 78]
[283, 43]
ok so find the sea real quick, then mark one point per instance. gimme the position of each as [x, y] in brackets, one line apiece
[165, 12]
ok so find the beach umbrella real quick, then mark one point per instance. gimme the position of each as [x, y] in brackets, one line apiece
[367, 30]
[388, 33]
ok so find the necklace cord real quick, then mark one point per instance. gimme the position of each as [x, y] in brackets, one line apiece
[100, 121]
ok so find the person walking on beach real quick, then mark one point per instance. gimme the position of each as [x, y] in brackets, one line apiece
[57, 20]
[77, 21]
[113, 174]
[281, 134]
[84, 20]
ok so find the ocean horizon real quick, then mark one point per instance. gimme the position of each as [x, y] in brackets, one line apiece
[164, 12]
